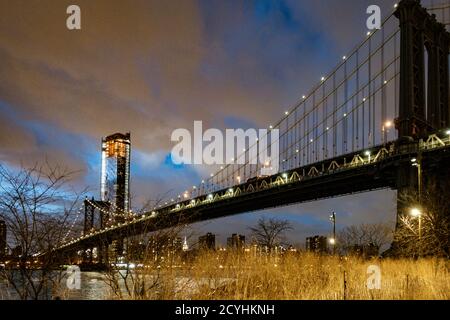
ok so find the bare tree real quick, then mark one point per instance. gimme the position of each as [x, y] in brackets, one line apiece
[147, 270]
[37, 204]
[270, 232]
[144, 273]
[374, 235]
[432, 235]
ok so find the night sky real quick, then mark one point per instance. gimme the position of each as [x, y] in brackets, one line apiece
[150, 67]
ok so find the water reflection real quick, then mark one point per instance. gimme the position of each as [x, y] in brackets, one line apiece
[93, 287]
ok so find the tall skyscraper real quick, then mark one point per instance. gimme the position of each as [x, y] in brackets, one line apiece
[236, 242]
[115, 175]
[317, 244]
[207, 242]
[2, 239]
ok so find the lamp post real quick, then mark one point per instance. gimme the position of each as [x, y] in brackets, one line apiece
[418, 163]
[417, 213]
[333, 240]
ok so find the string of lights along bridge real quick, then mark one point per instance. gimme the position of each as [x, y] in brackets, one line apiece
[385, 104]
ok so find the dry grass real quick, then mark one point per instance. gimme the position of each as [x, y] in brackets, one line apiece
[308, 277]
[213, 276]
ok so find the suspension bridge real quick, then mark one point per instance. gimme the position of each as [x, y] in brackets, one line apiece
[365, 126]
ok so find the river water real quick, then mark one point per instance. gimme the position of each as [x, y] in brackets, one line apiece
[95, 286]
[92, 287]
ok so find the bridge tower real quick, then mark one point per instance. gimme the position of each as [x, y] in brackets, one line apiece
[424, 98]
[424, 93]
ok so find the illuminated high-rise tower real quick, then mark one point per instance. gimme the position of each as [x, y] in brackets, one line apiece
[115, 176]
